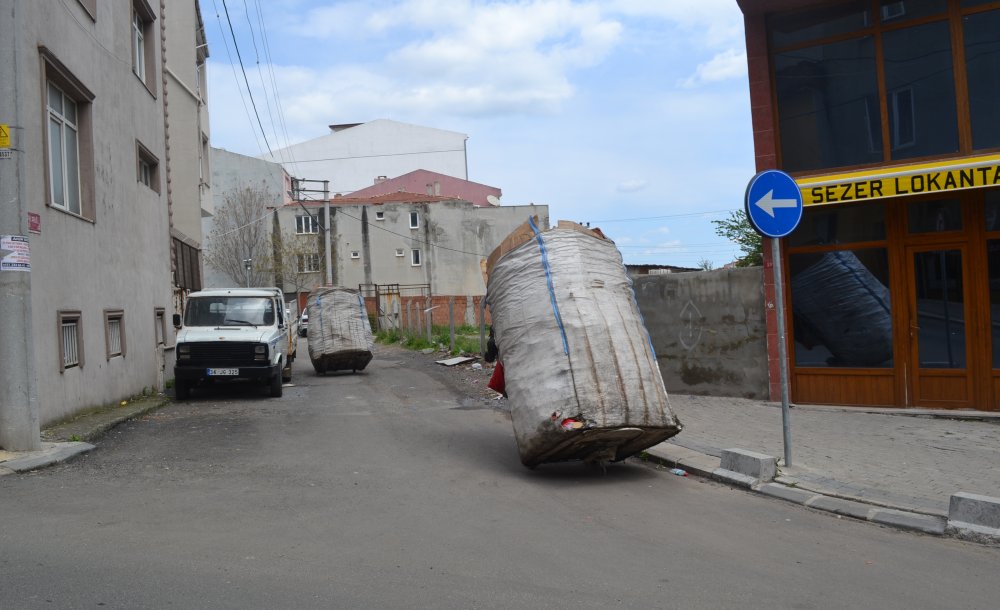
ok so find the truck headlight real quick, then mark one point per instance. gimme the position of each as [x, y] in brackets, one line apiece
[260, 352]
[183, 351]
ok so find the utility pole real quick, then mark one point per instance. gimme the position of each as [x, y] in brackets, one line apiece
[325, 226]
[247, 265]
[19, 418]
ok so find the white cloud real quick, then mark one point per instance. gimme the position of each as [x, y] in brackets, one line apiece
[714, 22]
[632, 186]
[730, 64]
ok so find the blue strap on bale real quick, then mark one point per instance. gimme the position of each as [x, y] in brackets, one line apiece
[548, 279]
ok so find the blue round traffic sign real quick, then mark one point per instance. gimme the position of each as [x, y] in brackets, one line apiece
[773, 203]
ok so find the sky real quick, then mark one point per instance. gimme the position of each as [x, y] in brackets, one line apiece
[632, 115]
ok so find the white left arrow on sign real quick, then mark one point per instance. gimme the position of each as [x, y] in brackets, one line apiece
[768, 203]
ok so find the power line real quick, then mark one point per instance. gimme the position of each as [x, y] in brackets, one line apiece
[245, 79]
[274, 85]
[660, 217]
[236, 78]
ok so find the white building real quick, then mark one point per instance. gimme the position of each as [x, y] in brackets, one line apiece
[357, 155]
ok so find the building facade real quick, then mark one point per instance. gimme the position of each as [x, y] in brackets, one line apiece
[187, 187]
[87, 300]
[405, 239]
[885, 114]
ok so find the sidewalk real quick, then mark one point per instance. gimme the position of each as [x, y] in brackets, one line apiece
[64, 440]
[908, 460]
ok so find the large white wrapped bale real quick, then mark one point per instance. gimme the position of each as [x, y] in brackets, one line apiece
[580, 372]
[340, 335]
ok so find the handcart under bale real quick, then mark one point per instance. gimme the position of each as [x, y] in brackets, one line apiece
[340, 335]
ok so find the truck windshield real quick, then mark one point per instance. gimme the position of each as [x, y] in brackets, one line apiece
[229, 311]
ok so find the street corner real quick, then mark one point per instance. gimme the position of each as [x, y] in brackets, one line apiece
[50, 453]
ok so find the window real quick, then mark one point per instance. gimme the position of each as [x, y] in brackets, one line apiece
[825, 95]
[68, 155]
[922, 105]
[160, 325]
[91, 7]
[64, 151]
[187, 265]
[142, 42]
[114, 332]
[399, 252]
[204, 172]
[307, 263]
[379, 215]
[306, 224]
[70, 340]
[355, 254]
[415, 258]
[982, 65]
[841, 310]
[414, 220]
[855, 86]
[147, 167]
[903, 126]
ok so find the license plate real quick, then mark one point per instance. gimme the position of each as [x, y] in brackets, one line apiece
[223, 372]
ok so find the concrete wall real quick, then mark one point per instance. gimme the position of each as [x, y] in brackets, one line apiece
[353, 158]
[708, 330]
[118, 259]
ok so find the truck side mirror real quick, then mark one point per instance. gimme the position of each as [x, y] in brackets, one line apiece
[177, 320]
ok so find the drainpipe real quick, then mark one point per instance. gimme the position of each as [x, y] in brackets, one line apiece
[19, 418]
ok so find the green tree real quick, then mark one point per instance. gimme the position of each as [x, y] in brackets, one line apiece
[737, 229]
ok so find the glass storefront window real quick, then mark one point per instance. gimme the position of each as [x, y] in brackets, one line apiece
[841, 309]
[992, 209]
[894, 11]
[828, 105]
[935, 216]
[823, 225]
[813, 24]
[982, 66]
[920, 91]
[940, 309]
[993, 256]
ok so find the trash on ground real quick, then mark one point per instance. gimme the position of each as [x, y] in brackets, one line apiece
[476, 366]
[454, 361]
[678, 472]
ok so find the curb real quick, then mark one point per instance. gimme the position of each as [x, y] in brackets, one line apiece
[707, 466]
[66, 440]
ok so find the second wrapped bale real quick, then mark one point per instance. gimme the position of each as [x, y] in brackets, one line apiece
[340, 335]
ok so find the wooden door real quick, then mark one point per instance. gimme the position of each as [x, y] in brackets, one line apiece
[940, 341]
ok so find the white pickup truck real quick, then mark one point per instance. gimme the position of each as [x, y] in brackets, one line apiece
[233, 334]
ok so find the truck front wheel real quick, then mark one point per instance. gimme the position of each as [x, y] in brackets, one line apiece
[276, 385]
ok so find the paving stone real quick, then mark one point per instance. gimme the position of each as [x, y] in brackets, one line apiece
[775, 490]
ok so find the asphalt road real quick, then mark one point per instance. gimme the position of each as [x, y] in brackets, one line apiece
[399, 487]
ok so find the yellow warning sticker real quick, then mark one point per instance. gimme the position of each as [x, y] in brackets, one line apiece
[4, 135]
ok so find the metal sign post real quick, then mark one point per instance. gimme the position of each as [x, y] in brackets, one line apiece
[786, 433]
[773, 205]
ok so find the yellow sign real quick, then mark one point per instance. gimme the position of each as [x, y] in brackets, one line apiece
[898, 181]
[4, 136]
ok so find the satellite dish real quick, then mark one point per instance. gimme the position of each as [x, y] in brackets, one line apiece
[492, 200]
